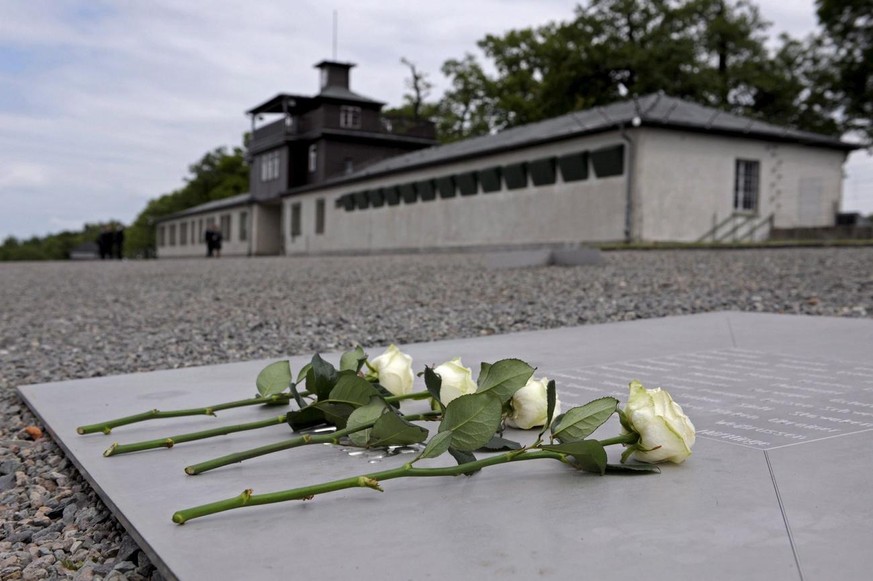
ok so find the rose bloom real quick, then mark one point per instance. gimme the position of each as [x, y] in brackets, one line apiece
[530, 405]
[666, 433]
[457, 380]
[394, 370]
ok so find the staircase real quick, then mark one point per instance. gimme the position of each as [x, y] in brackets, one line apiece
[739, 228]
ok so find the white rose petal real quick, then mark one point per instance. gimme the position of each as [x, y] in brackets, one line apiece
[457, 380]
[530, 406]
[666, 433]
[394, 370]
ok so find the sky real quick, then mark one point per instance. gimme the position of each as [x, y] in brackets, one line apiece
[105, 103]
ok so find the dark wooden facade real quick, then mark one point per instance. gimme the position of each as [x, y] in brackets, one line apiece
[299, 141]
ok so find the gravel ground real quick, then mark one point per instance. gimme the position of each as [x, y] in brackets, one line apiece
[63, 321]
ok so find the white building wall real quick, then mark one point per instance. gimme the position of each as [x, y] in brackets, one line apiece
[195, 246]
[588, 210]
[684, 183]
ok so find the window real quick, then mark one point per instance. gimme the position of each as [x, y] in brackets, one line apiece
[467, 183]
[319, 216]
[313, 157]
[183, 234]
[746, 185]
[162, 235]
[200, 229]
[542, 171]
[490, 179]
[350, 117]
[172, 234]
[608, 161]
[296, 229]
[270, 166]
[225, 227]
[243, 226]
[574, 166]
[349, 165]
[193, 237]
[515, 175]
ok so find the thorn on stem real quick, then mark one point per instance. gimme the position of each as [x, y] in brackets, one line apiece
[367, 482]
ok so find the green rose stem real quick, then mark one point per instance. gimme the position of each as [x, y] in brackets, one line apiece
[169, 442]
[373, 479]
[106, 427]
[306, 439]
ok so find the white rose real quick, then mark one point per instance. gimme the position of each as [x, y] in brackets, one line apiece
[393, 369]
[457, 380]
[530, 406]
[666, 433]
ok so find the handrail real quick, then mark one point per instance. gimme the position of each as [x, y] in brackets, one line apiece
[712, 231]
[738, 231]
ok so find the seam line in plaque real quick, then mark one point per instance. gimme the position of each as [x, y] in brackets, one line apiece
[784, 516]
[831, 437]
[731, 331]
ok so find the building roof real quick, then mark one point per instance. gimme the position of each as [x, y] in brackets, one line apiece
[341, 93]
[298, 104]
[655, 110]
[238, 200]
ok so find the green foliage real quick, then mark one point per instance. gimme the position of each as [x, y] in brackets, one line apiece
[848, 29]
[504, 378]
[588, 455]
[437, 445]
[713, 52]
[473, 420]
[366, 414]
[274, 378]
[51, 247]
[219, 174]
[353, 360]
[580, 422]
[392, 430]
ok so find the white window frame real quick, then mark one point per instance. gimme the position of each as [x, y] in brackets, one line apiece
[747, 186]
[270, 166]
[313, 158]
[350, 117]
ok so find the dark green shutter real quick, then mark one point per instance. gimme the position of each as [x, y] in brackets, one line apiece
[446, 187]
[515, 175]
[426, 190]
[408, 193]
[608, 161]
[490, 179]
[542, 171]
[574, 166]
[467, 183]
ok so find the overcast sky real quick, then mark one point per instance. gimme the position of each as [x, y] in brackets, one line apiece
[104, 104]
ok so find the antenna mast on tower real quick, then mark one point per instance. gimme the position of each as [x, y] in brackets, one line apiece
[334, 33]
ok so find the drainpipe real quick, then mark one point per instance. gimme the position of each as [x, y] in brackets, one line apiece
[629, 182]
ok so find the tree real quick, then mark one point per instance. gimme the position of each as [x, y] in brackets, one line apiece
[219, 174]
[420, 87]
[708, 51]
[848, 25]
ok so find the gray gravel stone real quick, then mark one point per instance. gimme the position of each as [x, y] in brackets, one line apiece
[75, 320]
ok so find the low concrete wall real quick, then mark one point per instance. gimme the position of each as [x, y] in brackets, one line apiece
[830, 233]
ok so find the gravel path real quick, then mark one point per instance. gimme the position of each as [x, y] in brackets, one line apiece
[63, 321]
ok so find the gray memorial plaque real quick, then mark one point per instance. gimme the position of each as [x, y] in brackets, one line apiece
[777, 488]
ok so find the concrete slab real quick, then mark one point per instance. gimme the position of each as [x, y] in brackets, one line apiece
[742, 507]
